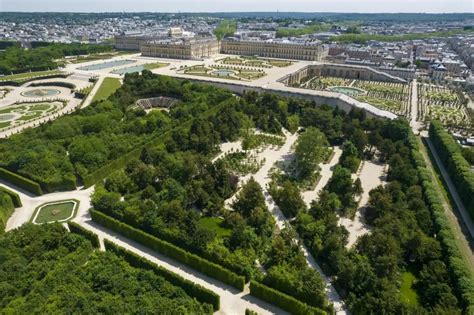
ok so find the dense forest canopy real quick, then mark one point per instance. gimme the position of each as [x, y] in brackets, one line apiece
[46, 269]
[15, 59]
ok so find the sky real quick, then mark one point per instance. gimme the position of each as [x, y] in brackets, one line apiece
[369, 6]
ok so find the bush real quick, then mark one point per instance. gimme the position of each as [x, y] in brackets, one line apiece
[202, 265]
[13, 195]
[21, 181]
[459, 270]
[194, 290]
[91, 236]
[286, 302]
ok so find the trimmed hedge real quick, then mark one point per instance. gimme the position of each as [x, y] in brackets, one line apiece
[91, 236]
[285, 302]
[460, 272]
[23, 81]
[6, 210]
[21, 181]
[67, 183]
[194, 290]
[58, 83]
[457, 166]
[13, 195]
[198, 263]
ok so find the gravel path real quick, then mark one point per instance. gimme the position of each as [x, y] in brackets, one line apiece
[372, 174]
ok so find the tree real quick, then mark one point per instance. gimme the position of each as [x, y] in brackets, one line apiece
[249, 198]
[309, 151]
[288, 198]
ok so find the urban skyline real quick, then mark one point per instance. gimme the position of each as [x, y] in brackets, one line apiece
[364, 6]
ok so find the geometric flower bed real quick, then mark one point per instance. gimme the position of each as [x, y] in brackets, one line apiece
[226, 72]
[18, 114]
[444, 104]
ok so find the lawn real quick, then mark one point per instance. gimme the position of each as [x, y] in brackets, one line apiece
[4, 124]
[408, 295]
[26, 75]
[156, 65]
[107, 88]
[214, 224]
[59, 211]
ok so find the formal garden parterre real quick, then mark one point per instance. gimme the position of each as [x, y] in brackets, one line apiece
[394, 97]
[230, 72]
[445, 105]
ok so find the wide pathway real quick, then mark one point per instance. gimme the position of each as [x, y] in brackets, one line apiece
[283, 154]
[372, 174]
[325, 173]
[452, 189]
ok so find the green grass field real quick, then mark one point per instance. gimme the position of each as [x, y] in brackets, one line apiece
[107, 88]
[408, 295]
[26, 75]
[214, 224]
[59, 211]
[156, 65]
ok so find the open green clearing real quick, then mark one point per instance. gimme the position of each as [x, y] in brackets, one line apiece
[408, 294]
[155, 65]
[107, 88]
[216, 225]
[58, 211]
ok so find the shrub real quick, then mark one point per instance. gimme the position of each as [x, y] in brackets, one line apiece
[286, 302]
[192, 289]
[202, 265]
[21, 181]
[91, 236]
[13, 195]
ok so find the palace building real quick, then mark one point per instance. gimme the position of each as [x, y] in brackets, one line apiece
[183, 48]
[312, 50]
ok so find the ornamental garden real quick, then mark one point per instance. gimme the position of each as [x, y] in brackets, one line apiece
[446, 105]
[394, 97]
[230, 72]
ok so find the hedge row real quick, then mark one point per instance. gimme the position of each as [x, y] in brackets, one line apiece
[122, 161]
[67, 183]
[91, 236]
[194, 290]
[460, 271]
[21, 181]
[58, 83]
[285, 302]
[202, 265]
[14, 196]
[6, 210]
[457, 166]
[23, 81]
